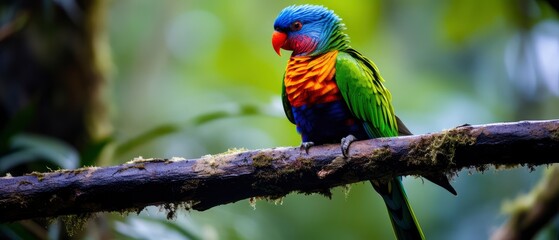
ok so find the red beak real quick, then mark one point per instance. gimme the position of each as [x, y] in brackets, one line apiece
[278, 39]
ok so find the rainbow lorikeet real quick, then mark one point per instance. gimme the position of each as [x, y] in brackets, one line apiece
[333, 93]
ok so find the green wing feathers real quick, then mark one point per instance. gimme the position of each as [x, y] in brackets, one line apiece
[361, 87]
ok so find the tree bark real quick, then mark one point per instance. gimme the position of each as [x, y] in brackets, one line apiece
[214, 180]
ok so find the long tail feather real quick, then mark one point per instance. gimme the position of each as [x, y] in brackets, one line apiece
[403, 220]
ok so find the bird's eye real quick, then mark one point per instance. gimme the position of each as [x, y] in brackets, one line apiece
[296, 26]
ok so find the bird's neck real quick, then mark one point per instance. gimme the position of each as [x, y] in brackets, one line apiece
[335, 39]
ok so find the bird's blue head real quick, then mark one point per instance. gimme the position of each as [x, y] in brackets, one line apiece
[308, 30]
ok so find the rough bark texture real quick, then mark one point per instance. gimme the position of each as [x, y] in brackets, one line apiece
[214, 180]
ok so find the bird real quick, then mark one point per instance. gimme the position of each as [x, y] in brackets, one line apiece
[334, 94]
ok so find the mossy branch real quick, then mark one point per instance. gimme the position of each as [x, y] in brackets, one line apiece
[214, 180]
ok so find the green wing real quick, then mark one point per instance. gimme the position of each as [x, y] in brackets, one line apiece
[285, 102]
[361, 86]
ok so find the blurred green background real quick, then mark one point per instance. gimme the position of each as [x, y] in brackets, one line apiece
[175, 64]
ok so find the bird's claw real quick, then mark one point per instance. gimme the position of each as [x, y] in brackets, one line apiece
[345, 144]
[306, 146]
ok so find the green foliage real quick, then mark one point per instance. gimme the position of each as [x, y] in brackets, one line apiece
[28, 148]
[464, 19]
[14, 126]
[200, 77]
[145, 137]
[15, 231]
[168, 129]
[160, 228]
[92, 153]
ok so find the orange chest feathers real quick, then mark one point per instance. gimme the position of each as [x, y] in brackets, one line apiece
[310, 80]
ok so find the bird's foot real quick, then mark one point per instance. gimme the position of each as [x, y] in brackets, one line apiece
[306, 146]
[345, 144]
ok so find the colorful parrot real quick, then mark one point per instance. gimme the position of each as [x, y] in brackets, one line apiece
[333, 93]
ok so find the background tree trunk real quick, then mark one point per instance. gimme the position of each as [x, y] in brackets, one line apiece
[53, 60]
[53, 64]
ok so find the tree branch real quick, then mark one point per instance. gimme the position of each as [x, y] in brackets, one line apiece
[225, 178]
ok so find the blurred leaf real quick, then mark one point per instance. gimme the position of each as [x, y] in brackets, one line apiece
[167, 129]
[174, 226]
[145, 137]
[240, 110]
[16, 125]
[16, 231]
[464, 19]
[8, 233]
[30, 147]
[153, 227]
[92, 152]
